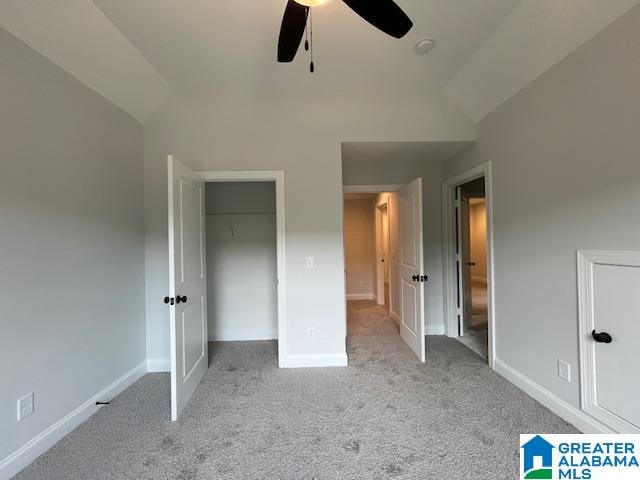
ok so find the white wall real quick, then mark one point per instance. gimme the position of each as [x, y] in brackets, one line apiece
[300, 134]
[241, 261]
[396, 171]
[566, 177]
[359, 248]
[72, 237]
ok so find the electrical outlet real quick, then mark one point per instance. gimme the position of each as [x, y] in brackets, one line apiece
[309, 262]
[25, 406]
[564, 370]
[311, 333]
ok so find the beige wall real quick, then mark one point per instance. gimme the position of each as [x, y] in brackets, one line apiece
[566, 176]
[478, 227]
[359, 246]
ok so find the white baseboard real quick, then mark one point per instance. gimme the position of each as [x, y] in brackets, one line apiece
[434, 330]
[155, 365]
[361, 296]
[317, 360]
[35, 447]
[394, 316]
[242, 335]
[567, 412]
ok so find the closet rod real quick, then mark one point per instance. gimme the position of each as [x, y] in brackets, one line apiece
[240, 213]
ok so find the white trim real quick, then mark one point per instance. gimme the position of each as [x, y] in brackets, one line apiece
[243, 335]
[434, 330]
[155, 365]
[278, 177]
[317, 360]
[564, 410]
[395, 316]
[587, 323]
[371, 188]
[449, 256]
[361, 296]
[16, 461]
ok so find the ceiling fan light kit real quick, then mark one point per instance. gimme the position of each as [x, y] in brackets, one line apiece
[311, 3]
[297, 22]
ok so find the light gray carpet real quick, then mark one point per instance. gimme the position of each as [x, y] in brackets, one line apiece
[384, 416]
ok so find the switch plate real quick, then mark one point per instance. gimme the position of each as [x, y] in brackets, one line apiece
[309, 262]
[564, 370]
[25, 406]
[311, 333]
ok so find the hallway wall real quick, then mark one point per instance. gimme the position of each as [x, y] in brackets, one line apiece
[359, 248]
[478, 229]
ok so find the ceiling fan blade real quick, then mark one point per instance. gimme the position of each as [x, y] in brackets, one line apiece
[385, 15]
[294, 22]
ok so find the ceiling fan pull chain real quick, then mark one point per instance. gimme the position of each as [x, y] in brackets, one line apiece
[306, 34]
[312, 67]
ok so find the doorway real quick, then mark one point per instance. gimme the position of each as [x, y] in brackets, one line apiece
[384, 262]
[471, 232]
[468, 260]
[234, 220]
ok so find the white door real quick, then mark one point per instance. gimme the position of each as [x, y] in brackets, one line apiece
[465, 264]
[187, 284]
[411, 267]
[616, 310]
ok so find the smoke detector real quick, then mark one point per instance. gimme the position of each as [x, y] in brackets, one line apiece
[425, 46]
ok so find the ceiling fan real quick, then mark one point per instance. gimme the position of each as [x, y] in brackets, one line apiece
[297, 21]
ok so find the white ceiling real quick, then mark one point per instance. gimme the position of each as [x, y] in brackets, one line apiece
[137, 53]
[77, 36]
[536, 35]
[232, 43]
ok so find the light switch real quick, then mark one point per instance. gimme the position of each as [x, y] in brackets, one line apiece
[309, 262]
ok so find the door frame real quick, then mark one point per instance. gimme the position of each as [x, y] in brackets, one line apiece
[276, 176]
[449, 221]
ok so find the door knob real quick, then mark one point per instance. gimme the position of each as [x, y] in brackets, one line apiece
[471, 264]
[169, 300]
[602, 337]
[182, 299]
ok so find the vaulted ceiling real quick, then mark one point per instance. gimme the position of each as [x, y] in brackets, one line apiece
[137, 53]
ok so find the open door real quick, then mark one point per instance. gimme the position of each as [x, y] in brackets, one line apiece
[465, 264]
[412, 267]
[187, 284]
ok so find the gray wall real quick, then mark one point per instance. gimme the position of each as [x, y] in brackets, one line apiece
[397, 171]
[242, 261]
[566, 158]
[300, 134]
[72, 237]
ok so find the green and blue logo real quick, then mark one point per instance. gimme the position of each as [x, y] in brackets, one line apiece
[537, 459]
[580, 457]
